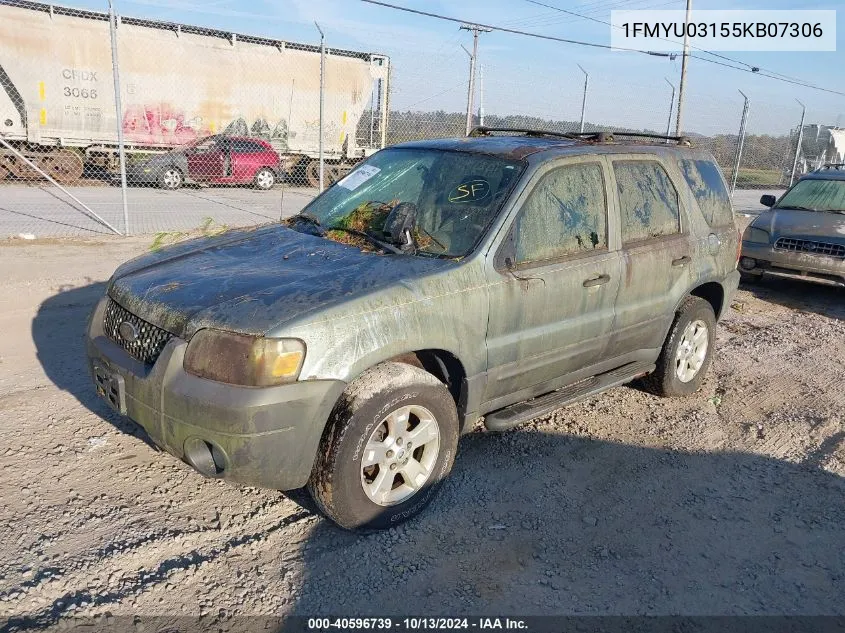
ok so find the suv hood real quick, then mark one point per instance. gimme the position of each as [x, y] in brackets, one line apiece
[250, 281]
[803, 224]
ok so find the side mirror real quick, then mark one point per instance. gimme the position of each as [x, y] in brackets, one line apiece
[768, 200]
[509, 265]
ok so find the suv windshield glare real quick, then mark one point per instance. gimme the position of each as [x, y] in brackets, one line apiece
[445, 200]
[815, 195]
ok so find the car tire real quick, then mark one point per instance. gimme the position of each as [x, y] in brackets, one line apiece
[264, 179]
[375, 419]
[687, 352]
[171, 178]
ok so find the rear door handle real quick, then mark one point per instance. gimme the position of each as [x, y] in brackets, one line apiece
[682, 261]
[596, 281]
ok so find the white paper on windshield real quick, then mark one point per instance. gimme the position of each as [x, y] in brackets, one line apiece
[358, 177]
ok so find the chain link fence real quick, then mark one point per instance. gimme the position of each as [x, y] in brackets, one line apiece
[111, 123]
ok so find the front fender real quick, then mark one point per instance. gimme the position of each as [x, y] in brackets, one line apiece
[445, 312]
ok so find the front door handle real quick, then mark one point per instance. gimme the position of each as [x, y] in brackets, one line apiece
[596, 281]
[682, 261]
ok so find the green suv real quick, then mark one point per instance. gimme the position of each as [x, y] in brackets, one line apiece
[339, 356]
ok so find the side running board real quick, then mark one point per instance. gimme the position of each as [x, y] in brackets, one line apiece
[522, 412]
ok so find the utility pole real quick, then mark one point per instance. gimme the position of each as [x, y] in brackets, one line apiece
[798, 146]
[584, 99]
[481, 94]
[671, 106]
[322, 65]
[472, 57]
[684, 61]
[740, 141]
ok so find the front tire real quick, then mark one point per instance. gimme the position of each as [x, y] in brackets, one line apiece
[170, 179]
[687, 352]
[389, 444]
[264, 179]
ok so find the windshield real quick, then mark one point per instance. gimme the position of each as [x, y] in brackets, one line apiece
[434, 202]
[815, 195]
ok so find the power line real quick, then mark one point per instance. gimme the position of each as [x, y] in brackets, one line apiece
[507, 30]
[754, 70]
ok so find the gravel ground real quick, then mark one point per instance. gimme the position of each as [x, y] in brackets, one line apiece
[726, 502]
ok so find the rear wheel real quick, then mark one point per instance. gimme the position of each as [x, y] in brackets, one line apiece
[170, 179]
[390, 443]
[264, 179]
[331, 173]
[687, 352]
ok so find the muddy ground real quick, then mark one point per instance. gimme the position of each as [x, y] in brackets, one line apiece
[726, 502]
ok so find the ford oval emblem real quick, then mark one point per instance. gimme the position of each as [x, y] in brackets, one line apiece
[128, 332]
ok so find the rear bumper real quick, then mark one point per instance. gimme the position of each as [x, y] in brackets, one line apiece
[265, 437]
[770, 260]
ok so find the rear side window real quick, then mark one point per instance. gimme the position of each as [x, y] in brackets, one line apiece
[565, 214]
[708, 187]
[648, 201]
[247, 147]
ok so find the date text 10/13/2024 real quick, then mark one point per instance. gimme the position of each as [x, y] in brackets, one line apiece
[416, 624]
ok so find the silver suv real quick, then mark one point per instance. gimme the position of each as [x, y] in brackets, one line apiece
[339, 356]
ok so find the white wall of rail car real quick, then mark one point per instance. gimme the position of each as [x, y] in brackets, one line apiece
[178, 83]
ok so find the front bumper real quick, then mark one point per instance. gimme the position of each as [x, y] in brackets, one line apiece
[771, 260]
[265, 437]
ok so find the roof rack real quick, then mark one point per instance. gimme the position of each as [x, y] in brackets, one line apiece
[680, 140]
[836, 166]
[598, 137]
[485, 131]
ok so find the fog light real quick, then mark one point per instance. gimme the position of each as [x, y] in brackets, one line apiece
[206, 457]
[747, 263]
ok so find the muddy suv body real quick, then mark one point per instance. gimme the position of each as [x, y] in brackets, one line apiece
[297, 358]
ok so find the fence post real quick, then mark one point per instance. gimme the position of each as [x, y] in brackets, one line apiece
[322, 78]
[118, 107]
[798, 144]
[740, 141]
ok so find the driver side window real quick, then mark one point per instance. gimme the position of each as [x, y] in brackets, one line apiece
[565, 214]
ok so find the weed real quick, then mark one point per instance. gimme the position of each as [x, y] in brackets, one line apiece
[208, 228]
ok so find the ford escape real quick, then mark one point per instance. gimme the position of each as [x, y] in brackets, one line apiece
[340, 355]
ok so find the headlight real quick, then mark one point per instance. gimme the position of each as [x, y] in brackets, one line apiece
[755, 235]
[239, 359]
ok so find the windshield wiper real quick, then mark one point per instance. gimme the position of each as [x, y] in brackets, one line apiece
[794, 208]
[306, 217]
[372, 240]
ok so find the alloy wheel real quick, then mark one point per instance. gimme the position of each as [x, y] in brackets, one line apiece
[400, 454]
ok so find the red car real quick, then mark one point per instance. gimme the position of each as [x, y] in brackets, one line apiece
[219, 159]
[233, 160]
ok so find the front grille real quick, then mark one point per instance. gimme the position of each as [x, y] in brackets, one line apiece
[809, 246]
[150, 339]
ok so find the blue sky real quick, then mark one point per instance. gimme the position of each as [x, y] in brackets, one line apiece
[529, 76]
